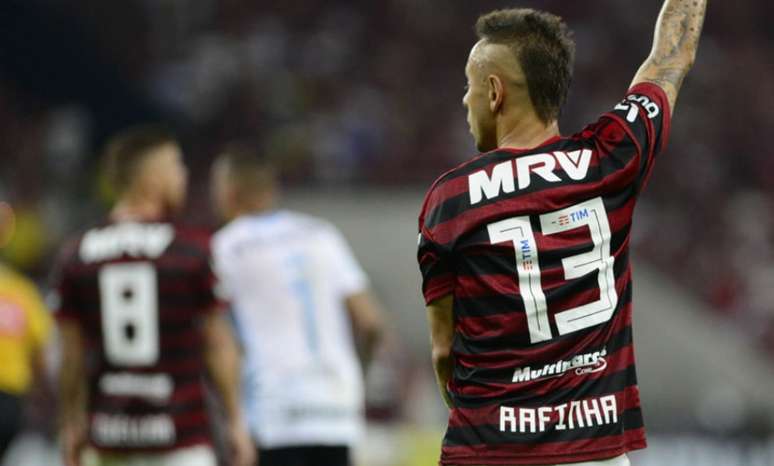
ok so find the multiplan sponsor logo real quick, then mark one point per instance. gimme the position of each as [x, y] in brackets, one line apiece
[581, 364]
[520, 172]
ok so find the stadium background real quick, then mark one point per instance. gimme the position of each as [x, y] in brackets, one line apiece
[359, 102]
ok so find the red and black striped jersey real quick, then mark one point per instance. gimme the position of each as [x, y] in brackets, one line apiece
[533, 245]
[139, 292]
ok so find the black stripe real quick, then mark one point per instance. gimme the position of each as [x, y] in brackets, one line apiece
[476, 246]
[632, 419]
[134, 407]
[187, 249]
[484, 306]
[456, 205]
[464, 374]
[615, 161]
[491, 435]
[611, 383]
[476, 346]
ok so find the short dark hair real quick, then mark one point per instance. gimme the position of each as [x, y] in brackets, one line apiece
[544, 46]
[251, 172]
[125, 151]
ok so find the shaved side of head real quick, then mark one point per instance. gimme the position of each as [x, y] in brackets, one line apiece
[542, 46]
[492, 58]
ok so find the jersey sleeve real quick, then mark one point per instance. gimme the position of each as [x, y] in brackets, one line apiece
[435, 263]
[351, 279]
[633, 133]
[212, 297]
[219, 265]
[63, 298]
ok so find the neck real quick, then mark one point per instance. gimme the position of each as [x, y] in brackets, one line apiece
[137, 208]
[254, 207]
[525, 133]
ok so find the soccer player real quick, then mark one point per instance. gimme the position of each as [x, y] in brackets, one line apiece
[24, 331]
[305, 314]
[141, 325]
[524, 249]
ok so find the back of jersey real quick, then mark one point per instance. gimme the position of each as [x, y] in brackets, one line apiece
[288, 276]
[138, 291]
[533, 246]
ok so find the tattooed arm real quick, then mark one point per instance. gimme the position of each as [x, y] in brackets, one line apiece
[674, 46]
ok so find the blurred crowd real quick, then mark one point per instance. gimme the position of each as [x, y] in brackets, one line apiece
[349, 93]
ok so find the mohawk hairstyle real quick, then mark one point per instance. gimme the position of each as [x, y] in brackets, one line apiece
[545, 49]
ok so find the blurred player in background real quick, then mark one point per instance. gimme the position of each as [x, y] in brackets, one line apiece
[24, 330]
[298, 296]
[140, 324]
[524, 249]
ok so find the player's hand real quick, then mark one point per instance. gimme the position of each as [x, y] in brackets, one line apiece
[73, 440]
[243, 451]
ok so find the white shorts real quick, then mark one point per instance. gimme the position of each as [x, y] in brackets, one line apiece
[199, 455]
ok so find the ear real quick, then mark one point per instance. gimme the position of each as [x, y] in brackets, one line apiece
[496, 93]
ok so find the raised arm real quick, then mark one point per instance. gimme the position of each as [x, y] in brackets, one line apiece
[674, 46]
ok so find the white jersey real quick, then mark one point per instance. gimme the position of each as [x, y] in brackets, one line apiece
[287, 276]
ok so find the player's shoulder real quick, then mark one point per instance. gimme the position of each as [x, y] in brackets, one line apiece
[70, 249]
[312, 222]
[269, 224]
[108, 240]
[440, 188]
[455, 182]
[196, 236]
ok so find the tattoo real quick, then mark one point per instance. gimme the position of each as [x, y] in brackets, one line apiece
[677, 40]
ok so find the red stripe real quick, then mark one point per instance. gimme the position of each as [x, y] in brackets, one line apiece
[197, 418]
[616, 362]
[584, 297]
[438, 287]
[547, 200]
[515, 323]
[549, 453]
[192, 391]
[548, 352]
[459, 185]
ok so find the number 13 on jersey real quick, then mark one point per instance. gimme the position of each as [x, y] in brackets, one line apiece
[518, 230]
